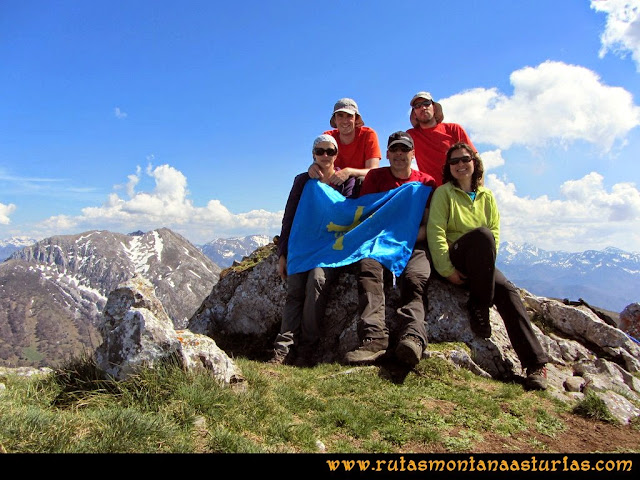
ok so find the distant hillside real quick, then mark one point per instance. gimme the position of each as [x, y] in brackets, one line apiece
[608, 279]
[224, 251]
[52, 293]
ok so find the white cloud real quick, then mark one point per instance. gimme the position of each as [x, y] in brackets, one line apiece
[119, 113]
[586, 217]
[5, 211]
[622, 31]
[492, 159]
[166, 206]
[553, 103]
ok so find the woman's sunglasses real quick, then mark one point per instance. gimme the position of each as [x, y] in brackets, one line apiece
[321, 151]
[455, 161]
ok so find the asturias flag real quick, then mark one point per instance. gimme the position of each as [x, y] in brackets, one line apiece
[331, 231]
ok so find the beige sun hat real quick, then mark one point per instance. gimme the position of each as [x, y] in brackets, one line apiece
[437, 108]
[346, 105]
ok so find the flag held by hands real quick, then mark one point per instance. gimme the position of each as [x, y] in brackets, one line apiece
[331, 231]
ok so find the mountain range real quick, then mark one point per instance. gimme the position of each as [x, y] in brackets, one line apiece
[52, 292]
[224, 251]
[13, 244]
[609, 278]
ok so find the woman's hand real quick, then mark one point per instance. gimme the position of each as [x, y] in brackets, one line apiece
[282, 267]
[457, 278]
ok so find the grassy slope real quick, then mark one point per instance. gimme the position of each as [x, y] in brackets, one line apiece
[332, 408]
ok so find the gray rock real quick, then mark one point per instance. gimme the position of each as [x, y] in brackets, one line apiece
[574, 384]
[138, 333]
[630, 320]
[620, 408]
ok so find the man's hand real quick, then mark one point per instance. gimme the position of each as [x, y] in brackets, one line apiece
[282, 267]
[339, 177]
[315, 172]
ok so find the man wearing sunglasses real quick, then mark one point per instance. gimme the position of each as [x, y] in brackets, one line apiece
[372, 328]
[358, 147]
[431, 136]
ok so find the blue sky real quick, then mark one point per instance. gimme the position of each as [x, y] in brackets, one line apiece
[196, 116]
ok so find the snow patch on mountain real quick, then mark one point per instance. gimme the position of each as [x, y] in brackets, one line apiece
[13, 244]
[224, 251]
[608, 278]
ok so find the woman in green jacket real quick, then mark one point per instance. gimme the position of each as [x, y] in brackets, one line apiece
[463, 234]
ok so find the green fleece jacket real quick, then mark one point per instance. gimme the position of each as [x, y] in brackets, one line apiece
[452, 213]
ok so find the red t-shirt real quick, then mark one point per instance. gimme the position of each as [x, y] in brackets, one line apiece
[364, 146]
[431, 145]
[381, 180]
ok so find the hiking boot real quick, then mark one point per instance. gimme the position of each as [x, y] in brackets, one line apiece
[278, 357]
[536, 378]
[369, 351]
[479, 319]
[409, 349]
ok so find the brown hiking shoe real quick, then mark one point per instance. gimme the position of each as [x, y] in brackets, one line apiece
[536, 378]
[369, 351]
[409, 349]
[278, 357]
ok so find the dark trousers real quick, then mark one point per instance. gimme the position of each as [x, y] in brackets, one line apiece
[307, 295]
[371, 298]
[474, 255]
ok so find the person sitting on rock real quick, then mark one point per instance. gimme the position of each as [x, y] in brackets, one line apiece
[372, 327]
[463, 233]
[307, 292]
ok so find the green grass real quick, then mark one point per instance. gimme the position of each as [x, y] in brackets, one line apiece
[435, 408]
[592, 406]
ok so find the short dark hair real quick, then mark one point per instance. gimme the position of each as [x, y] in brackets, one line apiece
[478, 168]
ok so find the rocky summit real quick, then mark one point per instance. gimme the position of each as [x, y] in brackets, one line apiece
[588, 354]
[53, 292]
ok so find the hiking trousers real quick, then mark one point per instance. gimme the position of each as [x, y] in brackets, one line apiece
[371, 298]
[306, 302]
[474, 255]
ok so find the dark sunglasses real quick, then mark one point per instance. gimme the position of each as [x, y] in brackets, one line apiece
[455, 161]
[402, 148]
[425, 103]
[321, 151]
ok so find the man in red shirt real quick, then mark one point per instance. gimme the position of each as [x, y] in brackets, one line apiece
[372, 329]
[431, 136]
[358, 147]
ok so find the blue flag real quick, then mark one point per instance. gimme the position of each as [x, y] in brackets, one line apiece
[331, 231]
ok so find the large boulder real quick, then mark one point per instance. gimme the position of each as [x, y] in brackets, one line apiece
[244, 311]
[137, 333]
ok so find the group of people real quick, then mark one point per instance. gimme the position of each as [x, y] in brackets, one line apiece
[457, 240]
